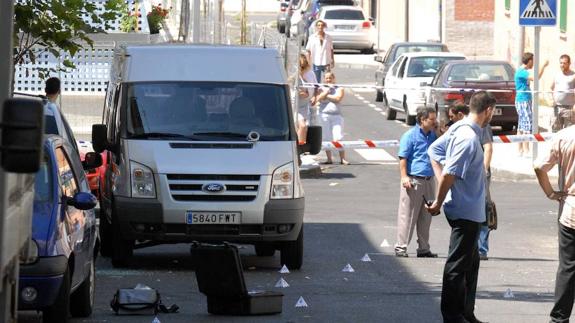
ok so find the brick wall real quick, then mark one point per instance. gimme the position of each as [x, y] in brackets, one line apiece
[468, 27]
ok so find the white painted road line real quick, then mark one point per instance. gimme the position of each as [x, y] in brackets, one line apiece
[378, 109]
[371, 105]
[360, 97]
[383, 113]
[397, 121]
[375, 154]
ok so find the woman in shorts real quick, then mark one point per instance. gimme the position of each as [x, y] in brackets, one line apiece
[306, 98]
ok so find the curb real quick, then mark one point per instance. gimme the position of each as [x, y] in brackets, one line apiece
[354, 66]
[310, 171]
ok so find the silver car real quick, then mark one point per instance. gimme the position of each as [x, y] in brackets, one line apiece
[348, 26]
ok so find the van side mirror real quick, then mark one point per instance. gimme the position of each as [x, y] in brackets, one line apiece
[313, 141]
[92, 160]
[22, 130]
[100, 137]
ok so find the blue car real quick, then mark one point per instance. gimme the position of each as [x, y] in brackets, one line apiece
[59, 280]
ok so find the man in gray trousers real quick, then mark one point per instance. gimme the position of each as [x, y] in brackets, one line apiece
[416, 183]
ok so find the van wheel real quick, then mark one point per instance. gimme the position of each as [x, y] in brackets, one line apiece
[292, 252]
[390, 113]
[265, 250]
[123, 249]
[60, 310]
[82, 300]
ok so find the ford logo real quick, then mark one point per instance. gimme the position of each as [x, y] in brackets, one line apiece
[213, 188]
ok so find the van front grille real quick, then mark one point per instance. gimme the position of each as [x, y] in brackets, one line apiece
[193, 187]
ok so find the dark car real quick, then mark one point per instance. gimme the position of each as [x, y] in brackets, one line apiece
[282, 15]
[60, 279]
[465, 77]
[394, 51]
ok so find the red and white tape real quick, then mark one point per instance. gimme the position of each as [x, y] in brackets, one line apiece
[375, 144]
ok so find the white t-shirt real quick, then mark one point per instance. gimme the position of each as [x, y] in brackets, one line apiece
[320, 53]
[307, 77]
[564, 83]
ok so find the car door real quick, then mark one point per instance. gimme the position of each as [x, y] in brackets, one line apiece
[393, 82]
[72, 220]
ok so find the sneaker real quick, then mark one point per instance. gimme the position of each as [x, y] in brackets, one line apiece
[428, 254]
[401, 253]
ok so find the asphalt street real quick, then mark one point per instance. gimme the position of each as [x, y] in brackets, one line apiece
[350, 211]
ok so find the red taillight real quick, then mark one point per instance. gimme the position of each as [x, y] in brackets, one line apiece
[366, 24]
[452, 96]
[282, 9]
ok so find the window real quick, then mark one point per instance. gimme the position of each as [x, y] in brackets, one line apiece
[427, 66]
[67, 179]
[344, 15]
[43, 182]
[481, 72]
[421, 48]
[563, 16]
[507, 4]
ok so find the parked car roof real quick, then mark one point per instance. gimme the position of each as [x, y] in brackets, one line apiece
[426, 54]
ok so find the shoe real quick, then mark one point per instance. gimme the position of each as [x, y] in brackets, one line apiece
[428, 254]
[473, 319]
[402, 254]
[483, 257]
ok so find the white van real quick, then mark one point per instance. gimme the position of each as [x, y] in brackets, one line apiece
[201, 147]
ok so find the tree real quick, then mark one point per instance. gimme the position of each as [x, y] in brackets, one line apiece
[59, 27]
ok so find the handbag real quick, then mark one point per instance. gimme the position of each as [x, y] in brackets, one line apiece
[139, 301]
[491, 215]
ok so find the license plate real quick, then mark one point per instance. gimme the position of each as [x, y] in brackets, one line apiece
[344, 27]
[497, 112]
[193, 217]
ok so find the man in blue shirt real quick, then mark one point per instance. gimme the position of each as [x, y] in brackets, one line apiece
[462, 188]
[416, 183]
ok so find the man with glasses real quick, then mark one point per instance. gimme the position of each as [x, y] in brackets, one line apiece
[462, 188]
[319, 50]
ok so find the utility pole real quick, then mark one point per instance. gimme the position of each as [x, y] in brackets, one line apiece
[406, 20]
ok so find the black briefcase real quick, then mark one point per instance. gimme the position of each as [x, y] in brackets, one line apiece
[220, 277]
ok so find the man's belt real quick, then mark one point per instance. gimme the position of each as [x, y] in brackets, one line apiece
[424, 178]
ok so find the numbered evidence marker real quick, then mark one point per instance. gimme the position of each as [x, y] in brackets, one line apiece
[384, 244]
[282, 283]
[348, 269]
[366, 258]
[301, 302]
[284, 270]
[508, 294]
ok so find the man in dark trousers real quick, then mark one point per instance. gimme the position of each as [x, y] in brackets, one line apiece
[462, 188]
[562, 154]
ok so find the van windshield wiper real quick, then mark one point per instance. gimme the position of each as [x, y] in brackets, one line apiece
[159, 135]
[222, 134]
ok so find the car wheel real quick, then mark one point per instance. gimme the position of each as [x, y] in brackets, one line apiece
[390, 113]
[292, 252]
[378, 95]
[106, 236]
[82, 300]
[409, 119]
[123, 249]
[265, 250]
[60, 310]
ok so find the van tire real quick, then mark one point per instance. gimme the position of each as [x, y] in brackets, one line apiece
[265, 250]
[82, 299]
[123, 249]
[292, 252]
[60, 310]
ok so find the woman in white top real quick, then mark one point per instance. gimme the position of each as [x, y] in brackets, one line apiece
[330, 115]
[306, 98]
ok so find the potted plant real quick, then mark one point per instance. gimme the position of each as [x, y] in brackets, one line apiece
[156, 17]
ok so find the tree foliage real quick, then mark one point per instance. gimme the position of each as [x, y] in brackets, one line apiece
[59, 26]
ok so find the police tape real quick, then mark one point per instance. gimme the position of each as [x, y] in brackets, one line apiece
[378, 144]
[424, 88]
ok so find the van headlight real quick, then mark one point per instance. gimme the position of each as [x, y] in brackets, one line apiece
[31, 254]
[282, 182]
[142, 181]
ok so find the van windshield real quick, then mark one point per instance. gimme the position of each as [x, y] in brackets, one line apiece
[207, 111]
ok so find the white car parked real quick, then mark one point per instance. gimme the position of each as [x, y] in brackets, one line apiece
[405, 82]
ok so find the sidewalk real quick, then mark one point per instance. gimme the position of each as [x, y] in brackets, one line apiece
[506, 163]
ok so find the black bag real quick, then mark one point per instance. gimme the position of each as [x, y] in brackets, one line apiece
[220, 277]
[139, 301]
[491, 215]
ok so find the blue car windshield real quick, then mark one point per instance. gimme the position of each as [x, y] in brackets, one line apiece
[207, 111]
[43, 182]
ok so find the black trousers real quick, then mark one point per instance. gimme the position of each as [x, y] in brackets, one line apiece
[565, 281]
[460, 272]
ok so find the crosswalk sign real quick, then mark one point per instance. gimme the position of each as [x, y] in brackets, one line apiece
[538, 12]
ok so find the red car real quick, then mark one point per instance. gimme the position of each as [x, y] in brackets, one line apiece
[457, 80]
[95, 176]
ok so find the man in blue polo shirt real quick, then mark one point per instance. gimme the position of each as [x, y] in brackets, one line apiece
[462, 188]
[416, 183]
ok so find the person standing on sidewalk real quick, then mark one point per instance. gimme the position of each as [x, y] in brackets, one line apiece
[306, 98]
[564, 98]
[52, 90]
[562, 153]
[319, 50]
[523, 99]
[462, 188]
[330, 115]
[416, 183]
